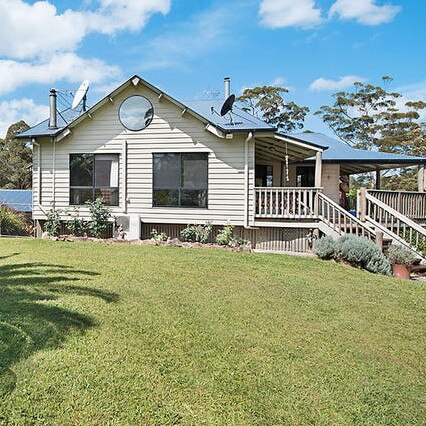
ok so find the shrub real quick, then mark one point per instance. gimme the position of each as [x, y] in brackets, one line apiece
[358, 251]
[12, 223]
[226, 237]
[100, 215]
[77, 225]
[158, 236]
[361, 252]
[325, 248]
[400, 255]
[53, 223]
[196, 233]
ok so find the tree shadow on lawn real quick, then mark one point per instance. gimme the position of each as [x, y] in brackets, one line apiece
[26, 323]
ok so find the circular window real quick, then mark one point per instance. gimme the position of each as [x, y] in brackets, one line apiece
[136, 113]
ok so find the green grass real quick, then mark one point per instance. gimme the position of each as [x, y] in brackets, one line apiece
[94, 334]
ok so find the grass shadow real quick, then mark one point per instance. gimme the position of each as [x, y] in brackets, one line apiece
[27, 323]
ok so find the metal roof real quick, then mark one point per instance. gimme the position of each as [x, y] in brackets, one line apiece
[340, 152]
[42, 129]
[20, 200]
[238, 120]
[241, 120]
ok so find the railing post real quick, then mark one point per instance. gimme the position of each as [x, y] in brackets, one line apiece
[362, 203]
[379, 240]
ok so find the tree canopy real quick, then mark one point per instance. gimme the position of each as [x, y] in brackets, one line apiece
[15, 159]
[371, 117]
[267, 102]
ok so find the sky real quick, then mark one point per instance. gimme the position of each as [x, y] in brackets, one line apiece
[186, 47]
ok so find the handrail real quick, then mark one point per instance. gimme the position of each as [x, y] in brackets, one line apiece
[397, 225]
[409, 203]
[285, 202]
[340, 220]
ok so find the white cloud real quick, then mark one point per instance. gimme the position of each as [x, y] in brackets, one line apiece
[289, 13]
[365, 12]
[323, 84]
[61, 66]
[30, 30]
[20, 109]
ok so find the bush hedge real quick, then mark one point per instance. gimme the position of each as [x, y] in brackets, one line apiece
[357, 251]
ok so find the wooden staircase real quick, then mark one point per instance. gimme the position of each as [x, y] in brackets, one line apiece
[379, 209]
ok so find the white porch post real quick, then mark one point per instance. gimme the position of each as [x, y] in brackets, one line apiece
[318, 169]
[421, 178]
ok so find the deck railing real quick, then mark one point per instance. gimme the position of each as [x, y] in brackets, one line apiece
[395, 224]
[340, 220]
[286, 203]
[410, 204]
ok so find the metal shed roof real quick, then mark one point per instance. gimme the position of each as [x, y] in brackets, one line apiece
[354, 160]
[20, 200]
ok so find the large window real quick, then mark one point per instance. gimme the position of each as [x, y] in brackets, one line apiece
[93, 176]
[180, 180]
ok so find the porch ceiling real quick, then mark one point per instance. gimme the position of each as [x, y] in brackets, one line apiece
[272, 149]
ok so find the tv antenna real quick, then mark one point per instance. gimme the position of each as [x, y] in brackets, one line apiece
[81, 96]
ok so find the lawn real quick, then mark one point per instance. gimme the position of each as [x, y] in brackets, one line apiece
[96, 334]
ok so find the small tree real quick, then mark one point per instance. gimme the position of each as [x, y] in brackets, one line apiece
[100, 215]
[267, 102]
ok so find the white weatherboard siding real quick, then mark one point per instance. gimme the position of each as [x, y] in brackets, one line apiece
[170, 131]
[331, 181]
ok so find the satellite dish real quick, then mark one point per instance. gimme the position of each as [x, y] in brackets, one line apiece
[227, 105]
[80, 95]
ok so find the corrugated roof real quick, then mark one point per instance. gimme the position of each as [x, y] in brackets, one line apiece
[17, 199]
[238, 120]
[241, 120]
[338, 151]
[42, 129]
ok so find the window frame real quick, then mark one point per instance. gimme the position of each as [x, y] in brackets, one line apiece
[93, 187]
[180, 153]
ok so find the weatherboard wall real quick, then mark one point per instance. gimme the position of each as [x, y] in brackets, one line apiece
[170, 131]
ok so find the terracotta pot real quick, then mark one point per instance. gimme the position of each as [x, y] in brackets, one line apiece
[401, 271]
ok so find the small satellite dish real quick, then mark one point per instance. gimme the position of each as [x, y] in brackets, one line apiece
[80, 95]
[227, 105]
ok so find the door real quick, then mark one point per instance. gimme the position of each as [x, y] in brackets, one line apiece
[264, 175]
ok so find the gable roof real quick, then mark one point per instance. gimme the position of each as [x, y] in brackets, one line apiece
[356, 159]
[202, 110]
[20, 200]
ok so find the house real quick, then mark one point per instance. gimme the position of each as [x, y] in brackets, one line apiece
[161, 163]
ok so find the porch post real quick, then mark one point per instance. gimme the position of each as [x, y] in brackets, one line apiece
[318, 169]
[421, 178]
[378, 183]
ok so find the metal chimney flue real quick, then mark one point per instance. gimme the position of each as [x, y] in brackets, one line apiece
[227, 82]
[53, 116]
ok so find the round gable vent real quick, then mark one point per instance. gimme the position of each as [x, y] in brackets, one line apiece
[136, 113]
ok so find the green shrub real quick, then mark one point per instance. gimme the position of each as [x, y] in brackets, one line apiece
[400, 255]
[357, 251]
[12, 222]
[325, 247]
[158, 236]
[363, 253]
[196, 233]
[226, 237]
[77, 225]
[99, 215]
[53, 223]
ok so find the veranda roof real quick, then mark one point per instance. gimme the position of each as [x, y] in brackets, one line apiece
[354, 160]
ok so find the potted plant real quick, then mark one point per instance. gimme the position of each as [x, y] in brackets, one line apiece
[402, 261]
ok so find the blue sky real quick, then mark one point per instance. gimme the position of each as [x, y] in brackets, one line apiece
[186, 47]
